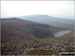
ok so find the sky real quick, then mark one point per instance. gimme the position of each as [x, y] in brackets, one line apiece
[61, 9]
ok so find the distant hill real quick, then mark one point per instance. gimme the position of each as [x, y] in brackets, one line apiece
[60, 22]
[14, 28]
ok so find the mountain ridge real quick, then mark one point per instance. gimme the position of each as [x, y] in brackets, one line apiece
[18, 29]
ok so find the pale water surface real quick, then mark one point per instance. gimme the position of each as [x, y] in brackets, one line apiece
[61, 33]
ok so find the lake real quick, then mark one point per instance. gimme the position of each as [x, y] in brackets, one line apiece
[61, 33]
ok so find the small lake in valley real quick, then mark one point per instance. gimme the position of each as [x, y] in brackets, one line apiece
[61, 33]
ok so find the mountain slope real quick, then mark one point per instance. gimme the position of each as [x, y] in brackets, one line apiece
[22, 37]
[14, 28]
[50, 20]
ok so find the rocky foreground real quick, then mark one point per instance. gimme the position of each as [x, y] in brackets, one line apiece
[38, 46]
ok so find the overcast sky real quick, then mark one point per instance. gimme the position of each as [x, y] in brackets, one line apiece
[61, 9]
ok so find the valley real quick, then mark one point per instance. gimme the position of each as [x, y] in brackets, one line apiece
[23, 37]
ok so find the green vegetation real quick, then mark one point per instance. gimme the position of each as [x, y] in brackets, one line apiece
[4, 42]
[62, 25]
[40, 52]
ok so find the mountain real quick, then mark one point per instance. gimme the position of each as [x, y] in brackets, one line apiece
[14, 28]
[59, 22]
[23, 37]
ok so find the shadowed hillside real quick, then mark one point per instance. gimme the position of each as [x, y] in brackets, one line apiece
[14, 28]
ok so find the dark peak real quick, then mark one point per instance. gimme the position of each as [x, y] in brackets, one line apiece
[13, 18]
[40, 15]
[9, 18]
[36, 15]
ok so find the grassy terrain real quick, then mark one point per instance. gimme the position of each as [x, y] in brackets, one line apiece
[40, 52]
[4, 42]
[62, 25]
